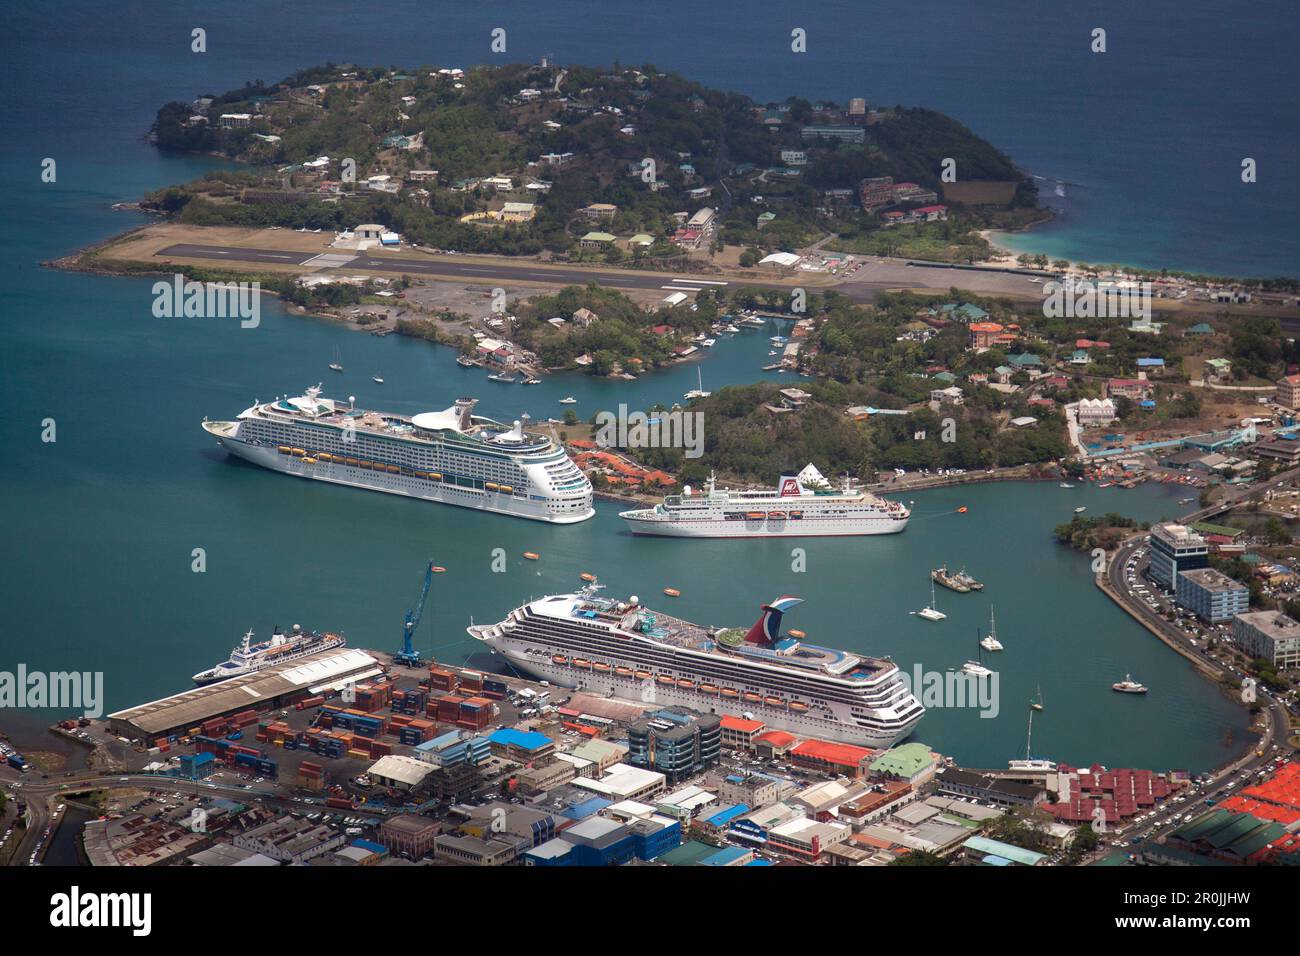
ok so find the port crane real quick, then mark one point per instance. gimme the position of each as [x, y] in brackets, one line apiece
[407, 656]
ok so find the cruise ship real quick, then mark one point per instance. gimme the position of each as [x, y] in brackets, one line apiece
[622, 649]
[248, 657]
[452, 456]
[802, 505]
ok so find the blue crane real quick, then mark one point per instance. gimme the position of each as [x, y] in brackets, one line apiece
[407, 656]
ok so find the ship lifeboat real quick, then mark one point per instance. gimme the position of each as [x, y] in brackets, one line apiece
[774, 701]
[776, 514]
[507, 489]
[753, 698]
[665, 679]
[798, 707]
[354, 462]
[730, 692]
[623, 671]
[600, 666]
[643, 675]
[582, 662]
[285, 450]
[709, 688]
[796, 515]
[324, 456]
[491, 486]
[587, 576]
[560, 659]
[686, 684]
[756, 515]
[672, 592]
[308, 460]
[298, 451]
[799, 634]
[531, 555]
[435, 476]
[394, 469]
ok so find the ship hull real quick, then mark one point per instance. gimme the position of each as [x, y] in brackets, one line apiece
[640, 691]
[806, 527]
[342, 474]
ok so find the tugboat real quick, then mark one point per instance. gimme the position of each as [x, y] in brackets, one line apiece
[962, 577]
[1129, 686]
[940, 575]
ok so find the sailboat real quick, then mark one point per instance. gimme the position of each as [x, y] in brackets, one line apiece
[991, 642]
[1030, 762]
[698, 392]
[931, 612]
[337, 364]
[1037, 703]
[377, 379]
[976, 667]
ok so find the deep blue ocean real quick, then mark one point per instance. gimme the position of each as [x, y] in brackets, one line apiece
[99, 526]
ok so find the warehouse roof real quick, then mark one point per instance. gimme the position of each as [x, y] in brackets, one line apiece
[311, 674]
[405, 770]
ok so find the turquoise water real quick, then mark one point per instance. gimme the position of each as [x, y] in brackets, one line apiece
[100, 525]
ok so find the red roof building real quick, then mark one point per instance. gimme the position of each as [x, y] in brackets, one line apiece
[832, 757]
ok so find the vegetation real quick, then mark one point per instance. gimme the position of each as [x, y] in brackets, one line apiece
[1103, 531]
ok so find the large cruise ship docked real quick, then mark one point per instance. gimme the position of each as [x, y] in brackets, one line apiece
[451, 456]
[802, 505]
[622, 649]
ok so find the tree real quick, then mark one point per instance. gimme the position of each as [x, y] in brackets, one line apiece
[920, 858]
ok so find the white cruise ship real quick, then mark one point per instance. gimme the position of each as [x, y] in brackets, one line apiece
[802, 505]
[248, 657]
[621, 649]
[452, 456]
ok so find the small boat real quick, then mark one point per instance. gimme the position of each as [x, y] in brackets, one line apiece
[568, 400]
[940, 575]
[1066, 484]
[756, 514]
[464, 361]
[729, 692]
[1080, 510]
[502, 377]
[587, 576]
[796, 634]
[1104, 484]
[798, 706]
[930, 612]
[672, 592]
[531, 555]
[1037, 703]
[990, 641]
[337, 364]
[773, 352]
[531, 381]
[776, 514]
[708, 343]
[1129, 686]
[686, 683]
[377, 380]
[698, 392]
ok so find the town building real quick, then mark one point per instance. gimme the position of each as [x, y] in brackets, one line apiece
[1270, 636]
[1175, 548]
[676, 742]
[1096, 411]
[1288, 392]
[1211, 595]
[409, 834]
[843, 134]
[289, 840]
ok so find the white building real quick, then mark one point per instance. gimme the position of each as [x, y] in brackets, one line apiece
[1096, 411]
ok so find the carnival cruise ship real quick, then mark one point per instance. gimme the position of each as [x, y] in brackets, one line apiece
[248, 657]
[622, 649]
[802, 505]
[452, 456]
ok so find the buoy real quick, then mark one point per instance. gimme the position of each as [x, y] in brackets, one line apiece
[587, 576]
[672, 592]
[531, 555]
[961, 510]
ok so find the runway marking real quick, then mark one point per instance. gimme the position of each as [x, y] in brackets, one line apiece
[702, 281]
[681, 288]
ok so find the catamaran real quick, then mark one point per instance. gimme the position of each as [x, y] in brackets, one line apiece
[931, 611]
